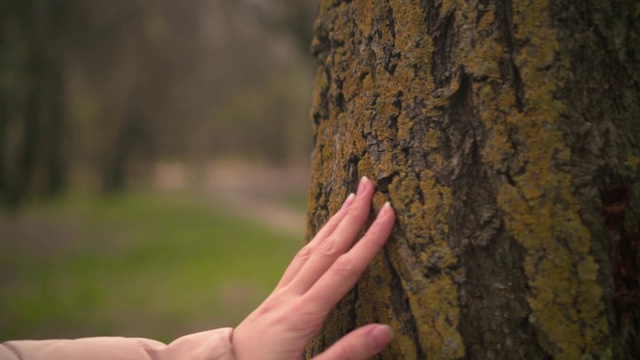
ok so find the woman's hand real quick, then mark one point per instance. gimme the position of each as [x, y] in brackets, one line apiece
[317, 278]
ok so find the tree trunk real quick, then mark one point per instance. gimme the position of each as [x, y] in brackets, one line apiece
[55, 167]
[506, 135]
[32, 129]
[4, 111]
[31, 101]
[114, 177]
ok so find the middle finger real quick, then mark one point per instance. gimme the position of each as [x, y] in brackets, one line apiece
[338, 242]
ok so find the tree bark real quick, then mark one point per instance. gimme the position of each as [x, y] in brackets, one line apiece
[506, 134]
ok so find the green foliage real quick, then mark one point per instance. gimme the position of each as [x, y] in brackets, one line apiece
[135, 265]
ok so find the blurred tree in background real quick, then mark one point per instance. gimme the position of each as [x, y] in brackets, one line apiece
[100, 92]
[31, 103]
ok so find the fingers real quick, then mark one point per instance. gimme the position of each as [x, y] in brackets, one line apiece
[304, 253]
[346, 270]
[331, 225]
[329, 249]
[360, 344]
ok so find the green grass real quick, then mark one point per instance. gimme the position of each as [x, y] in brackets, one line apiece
[134, 265]
[297, 200]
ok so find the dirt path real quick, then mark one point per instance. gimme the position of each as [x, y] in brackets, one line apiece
[275, 215]
[247, 190]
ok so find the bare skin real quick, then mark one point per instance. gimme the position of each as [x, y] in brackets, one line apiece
[317, 278]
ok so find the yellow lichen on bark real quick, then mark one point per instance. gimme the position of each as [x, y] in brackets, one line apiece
[321, 86]
[433, 300]
[364, 15]
[381, 311]
[634, 162]
[413, 42]
[483, 58]
[436, 307]
[539, 210]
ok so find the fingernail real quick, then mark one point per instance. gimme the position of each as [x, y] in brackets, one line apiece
[384, 210]
[363, 185]
[348, 201]
[380, 337]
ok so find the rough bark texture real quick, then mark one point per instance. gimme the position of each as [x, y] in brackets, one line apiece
[506, 134]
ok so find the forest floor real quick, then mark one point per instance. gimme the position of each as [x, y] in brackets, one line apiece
[155, 263]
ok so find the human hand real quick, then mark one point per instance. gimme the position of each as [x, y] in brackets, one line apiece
[317, 278]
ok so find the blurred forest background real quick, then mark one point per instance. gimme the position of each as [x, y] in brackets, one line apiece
[153, 161]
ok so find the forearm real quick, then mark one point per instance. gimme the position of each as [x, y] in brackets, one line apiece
[208, 345]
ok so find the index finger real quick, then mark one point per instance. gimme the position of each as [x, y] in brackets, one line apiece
[345, 271]
[302, 255]
[330, 248]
